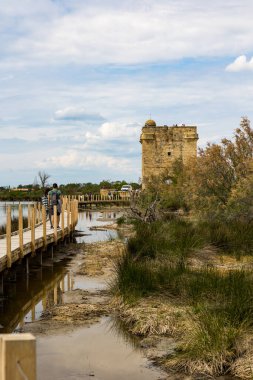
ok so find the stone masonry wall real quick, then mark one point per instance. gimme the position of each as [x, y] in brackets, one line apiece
[162, 145]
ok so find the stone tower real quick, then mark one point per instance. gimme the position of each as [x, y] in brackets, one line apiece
[161, 145]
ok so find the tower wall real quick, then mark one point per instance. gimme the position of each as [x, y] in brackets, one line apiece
[163, 145]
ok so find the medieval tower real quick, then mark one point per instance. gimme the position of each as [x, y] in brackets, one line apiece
[161, 145]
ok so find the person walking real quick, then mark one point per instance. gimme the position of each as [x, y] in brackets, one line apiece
[44, 200]
[54, 200]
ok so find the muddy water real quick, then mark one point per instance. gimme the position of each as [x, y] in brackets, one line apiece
[99, 351]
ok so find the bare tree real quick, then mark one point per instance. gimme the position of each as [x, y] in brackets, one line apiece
[43, 177]
[147, 213]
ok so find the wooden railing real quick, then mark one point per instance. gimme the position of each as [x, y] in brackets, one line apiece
[13, 242]
[93, 198]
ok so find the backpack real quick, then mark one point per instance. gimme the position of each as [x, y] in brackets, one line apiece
[54, 198]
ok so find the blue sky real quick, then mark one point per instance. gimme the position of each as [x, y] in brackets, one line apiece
[78, 79]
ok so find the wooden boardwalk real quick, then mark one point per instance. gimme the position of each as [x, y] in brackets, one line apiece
[15, 246]
[121, 199]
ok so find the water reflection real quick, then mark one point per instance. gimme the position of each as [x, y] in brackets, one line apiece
[25, 297]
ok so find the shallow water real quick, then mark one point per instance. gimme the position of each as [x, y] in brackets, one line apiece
[88, 219]
[14, 214]
[97, 352]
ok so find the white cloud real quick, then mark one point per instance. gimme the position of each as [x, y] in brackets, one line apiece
[240, 64]
[111, 131]
[77, 159]
[148, 31]
[76, 113]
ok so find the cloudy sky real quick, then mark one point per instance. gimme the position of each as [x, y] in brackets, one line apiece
[78, 79]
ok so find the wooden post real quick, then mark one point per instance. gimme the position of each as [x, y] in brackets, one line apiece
[29, 216]
[71, 216]
[8, 236]
[55, 224]
[33, 231]
[62, 221]
[20, 229]
[68, 217]
[44, 221]
[76, 213]
[39, 212]
[17, 357]
[55, 295]
[35, 213]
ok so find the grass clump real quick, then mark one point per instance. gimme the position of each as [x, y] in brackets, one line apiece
[134, 279]
[173, 238]
[233, 237]
[210, 346]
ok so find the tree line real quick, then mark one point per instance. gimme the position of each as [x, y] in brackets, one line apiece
[35, 191]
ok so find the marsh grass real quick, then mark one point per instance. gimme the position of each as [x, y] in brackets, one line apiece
[211, 345]
[234, 237]
[133, 279]
[155, 263]
[172, 238]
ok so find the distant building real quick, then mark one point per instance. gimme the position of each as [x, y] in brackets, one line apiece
[161, 145]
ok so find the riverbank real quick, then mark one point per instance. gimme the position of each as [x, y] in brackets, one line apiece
[81, 307]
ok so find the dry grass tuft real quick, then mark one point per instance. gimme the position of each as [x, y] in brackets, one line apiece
[243, 365]
[151, 316]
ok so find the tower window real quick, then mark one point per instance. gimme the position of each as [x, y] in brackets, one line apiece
[169, 153]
